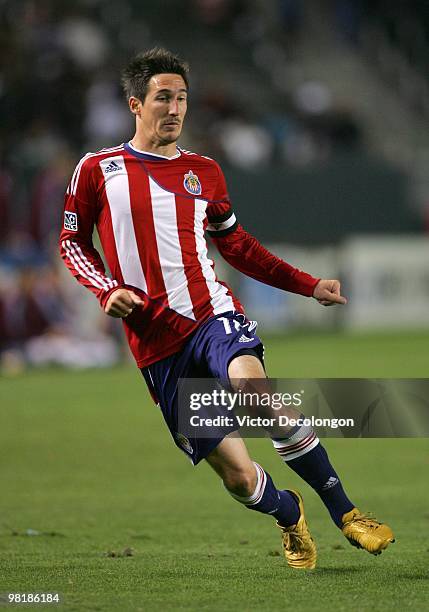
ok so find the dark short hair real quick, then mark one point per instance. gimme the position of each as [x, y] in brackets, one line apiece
[137, 74]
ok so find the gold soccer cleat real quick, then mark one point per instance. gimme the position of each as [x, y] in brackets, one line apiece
[365, 532]
[298, 545]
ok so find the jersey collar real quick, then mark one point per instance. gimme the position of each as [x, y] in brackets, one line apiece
[149, 156]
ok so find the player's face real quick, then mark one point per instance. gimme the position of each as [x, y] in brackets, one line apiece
[164, 108]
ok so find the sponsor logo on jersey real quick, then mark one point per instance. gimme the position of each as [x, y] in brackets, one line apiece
[192, 184]
[70, 221]
[184, 443]
[112, 167]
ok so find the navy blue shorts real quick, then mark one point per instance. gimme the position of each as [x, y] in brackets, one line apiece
[206, 355]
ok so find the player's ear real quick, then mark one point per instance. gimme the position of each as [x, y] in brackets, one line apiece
[135, 105]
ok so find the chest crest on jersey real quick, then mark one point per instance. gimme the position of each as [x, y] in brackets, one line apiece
[191, 183]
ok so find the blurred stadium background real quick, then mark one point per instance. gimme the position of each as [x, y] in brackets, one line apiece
[317, 110]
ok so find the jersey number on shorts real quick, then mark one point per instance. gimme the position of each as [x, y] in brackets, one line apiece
[227, 324]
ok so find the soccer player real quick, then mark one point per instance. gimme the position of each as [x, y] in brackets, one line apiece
[152, 203]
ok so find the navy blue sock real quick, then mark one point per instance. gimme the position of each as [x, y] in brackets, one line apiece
[315, 468]
[288, 512]
[282, 505]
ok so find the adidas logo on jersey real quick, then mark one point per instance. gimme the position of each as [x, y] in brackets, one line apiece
[112, 167]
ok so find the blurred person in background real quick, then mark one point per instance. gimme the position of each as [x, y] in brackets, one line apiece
[5, 203]
[152, 202]
[28, 309]
[36, 325]
[46, 188]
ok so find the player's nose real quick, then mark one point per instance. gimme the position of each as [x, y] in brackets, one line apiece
[174, 107]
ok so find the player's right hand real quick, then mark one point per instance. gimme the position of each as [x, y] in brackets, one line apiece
[121, 303]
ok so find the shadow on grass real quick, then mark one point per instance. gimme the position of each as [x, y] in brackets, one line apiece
[396, 572]
[415, 577]
[340, 571]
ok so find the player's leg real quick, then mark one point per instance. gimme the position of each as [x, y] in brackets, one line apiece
[249, 484]
[302, 451]
[226, 339]
[210, 351]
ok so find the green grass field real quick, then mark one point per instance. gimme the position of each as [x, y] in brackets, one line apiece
[88, 464]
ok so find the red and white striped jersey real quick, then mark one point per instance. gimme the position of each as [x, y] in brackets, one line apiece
[151, 213]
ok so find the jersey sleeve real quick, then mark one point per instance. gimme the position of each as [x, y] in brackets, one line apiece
[76, 246]
[245, 253]
[220, 216]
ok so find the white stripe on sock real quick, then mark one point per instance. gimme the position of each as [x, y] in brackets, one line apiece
[257, 494]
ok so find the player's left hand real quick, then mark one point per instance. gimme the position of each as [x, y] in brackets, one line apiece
[328, 293]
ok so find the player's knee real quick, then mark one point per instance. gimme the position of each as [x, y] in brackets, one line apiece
[245, 366]
[240, 482]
